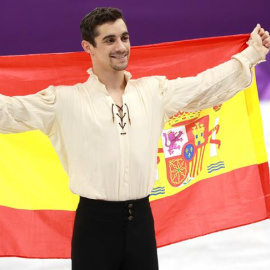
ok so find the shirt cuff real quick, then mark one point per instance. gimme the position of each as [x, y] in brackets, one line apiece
[253, 54]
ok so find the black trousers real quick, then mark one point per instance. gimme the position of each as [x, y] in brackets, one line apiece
[114, 236]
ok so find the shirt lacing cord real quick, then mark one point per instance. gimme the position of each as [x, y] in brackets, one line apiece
[122, 124]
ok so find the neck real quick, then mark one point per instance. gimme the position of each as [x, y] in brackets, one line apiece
[114, 81]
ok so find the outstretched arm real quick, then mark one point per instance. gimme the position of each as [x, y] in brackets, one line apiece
[23, 113]
[216, 85]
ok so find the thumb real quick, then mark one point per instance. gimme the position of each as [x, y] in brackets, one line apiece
[256, 30]
[255, 36]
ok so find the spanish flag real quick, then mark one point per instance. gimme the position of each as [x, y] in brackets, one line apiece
[212, 170]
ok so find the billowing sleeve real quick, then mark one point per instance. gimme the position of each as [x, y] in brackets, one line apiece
[30, 112]
[211, 87]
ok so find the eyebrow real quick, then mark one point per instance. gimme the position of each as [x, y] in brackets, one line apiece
[112, 36]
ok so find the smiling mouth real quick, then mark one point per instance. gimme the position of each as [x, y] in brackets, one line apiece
[119, 56]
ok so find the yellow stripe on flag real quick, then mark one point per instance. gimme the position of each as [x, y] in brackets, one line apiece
[34, 162]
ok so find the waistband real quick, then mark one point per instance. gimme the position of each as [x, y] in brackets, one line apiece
[114, 211]
[113, 204]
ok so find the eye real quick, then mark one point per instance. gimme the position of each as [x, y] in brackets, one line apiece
[109, 40]
[125, 38]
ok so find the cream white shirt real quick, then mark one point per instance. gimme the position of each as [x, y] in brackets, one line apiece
[104, 157]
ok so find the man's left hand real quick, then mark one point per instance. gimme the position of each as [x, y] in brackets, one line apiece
[261, 37]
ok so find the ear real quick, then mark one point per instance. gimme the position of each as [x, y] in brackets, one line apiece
[87, 47]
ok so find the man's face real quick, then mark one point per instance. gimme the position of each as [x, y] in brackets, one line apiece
[112, 46]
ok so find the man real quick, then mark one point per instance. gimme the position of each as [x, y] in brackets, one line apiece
[106, 132]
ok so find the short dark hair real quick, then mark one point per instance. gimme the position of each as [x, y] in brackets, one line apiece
[96, 17]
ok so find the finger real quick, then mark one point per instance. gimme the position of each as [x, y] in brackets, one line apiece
[256, 29]
[265, 35]
[261, 32]
[267, 45]
[266, 42]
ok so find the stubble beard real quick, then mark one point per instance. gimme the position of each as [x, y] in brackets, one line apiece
[120, 67]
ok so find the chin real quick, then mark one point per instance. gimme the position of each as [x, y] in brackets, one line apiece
[120, 67]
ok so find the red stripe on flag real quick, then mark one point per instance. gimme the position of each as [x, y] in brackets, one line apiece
[218, 203]
[264, 176]
[27, 74]
[225, 201]
[35, 233]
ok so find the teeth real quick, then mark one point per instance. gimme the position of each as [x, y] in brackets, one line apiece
[119, 57]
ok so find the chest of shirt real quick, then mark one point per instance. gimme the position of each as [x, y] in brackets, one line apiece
[94, 113]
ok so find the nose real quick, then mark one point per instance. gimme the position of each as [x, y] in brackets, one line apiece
[120, 46]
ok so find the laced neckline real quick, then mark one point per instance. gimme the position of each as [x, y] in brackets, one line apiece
[121, 116]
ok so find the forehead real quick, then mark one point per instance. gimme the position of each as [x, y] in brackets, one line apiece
[116, 28]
